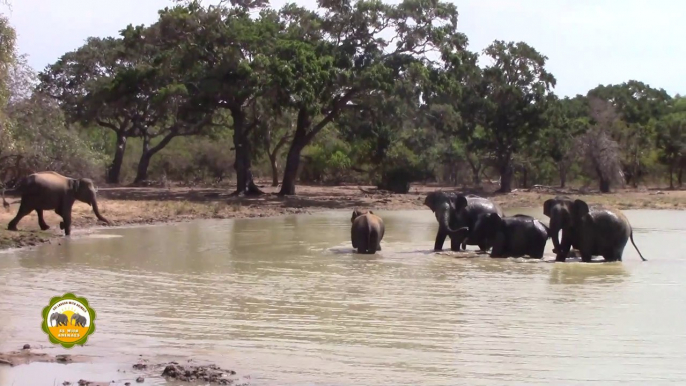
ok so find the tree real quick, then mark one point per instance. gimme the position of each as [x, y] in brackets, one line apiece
[568, 118]
[454, 97]
[517, 89]
[600, 151]
[171, 109]
[671, 141]
[85, 83]
[224, 53]
[326, 61]
[636, 104]
[272, 135]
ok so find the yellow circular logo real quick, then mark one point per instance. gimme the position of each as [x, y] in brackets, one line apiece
[68, 320]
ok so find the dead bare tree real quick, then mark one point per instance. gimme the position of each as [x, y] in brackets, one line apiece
[600, 152]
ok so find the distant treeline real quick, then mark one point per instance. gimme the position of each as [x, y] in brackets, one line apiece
[361, 91]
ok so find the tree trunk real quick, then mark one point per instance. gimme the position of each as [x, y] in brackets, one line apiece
[292, 163]
[671, 175]
[115, 167]
[506, 174]
[144, 162]
[146, 156]
[604, 185]
[300, 139]
[275, 170]
[244, 180]
[563, 177]
[476, 170]
[681, 173]
[525, 177]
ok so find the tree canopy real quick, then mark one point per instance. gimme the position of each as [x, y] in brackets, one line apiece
[348, 91]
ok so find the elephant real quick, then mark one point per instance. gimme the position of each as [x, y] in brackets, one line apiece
[52, 191]
[593, 231]
[79, 320]
[559, 210]
[59, 318]
[512, 236]
[443, 206]
[457, 214]
[366, 231]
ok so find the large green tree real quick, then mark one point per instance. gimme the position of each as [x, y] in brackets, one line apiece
[517, 90]
[331, 57]
[224, 52]
[85, 83]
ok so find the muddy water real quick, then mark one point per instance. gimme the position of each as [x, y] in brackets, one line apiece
[285, 302]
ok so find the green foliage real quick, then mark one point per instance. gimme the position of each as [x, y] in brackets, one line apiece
[361, 90]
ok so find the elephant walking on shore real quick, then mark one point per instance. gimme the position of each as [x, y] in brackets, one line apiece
[593, 231]
[52, 191]
[512, 236]
[60, 319]
[366, 231]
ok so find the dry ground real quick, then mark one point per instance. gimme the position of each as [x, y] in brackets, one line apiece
[147, 205]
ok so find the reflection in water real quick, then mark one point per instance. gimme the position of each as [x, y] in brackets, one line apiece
[287, 301]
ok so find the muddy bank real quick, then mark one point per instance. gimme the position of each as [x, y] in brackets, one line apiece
[190, 372]
[150, 205]
[26, 355]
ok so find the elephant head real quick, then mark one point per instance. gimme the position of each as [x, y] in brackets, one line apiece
[560, 211]
[84, 190]
[357, 213]
[446, 206]
[579, 210]
[487, 227]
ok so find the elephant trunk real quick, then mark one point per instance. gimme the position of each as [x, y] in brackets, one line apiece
[444, 223]
[94, 204]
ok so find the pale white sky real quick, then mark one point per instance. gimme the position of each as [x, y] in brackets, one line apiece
[588, 42]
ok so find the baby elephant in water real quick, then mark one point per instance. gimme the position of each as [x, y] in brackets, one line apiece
[513, 236]
[366, 232]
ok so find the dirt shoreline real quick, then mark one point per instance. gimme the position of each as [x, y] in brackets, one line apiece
[126, 206]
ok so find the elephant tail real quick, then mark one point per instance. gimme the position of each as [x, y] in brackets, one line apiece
[372, 240]
[631, 235]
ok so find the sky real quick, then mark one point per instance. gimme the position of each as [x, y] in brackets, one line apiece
[587, 42]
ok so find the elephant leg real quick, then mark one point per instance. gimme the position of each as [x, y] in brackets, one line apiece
[484, 246]
[23, 211]
[464, 245]
[455, 244]
[59, 213]
[498, 247]
[41, 221]
[537, 252]
[66, 216]
[586, 255]
[440, 239]
[614, 254]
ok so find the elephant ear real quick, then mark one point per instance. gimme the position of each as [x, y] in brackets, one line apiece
[74, 185]
[460, 202]
[494, 220]
[430, 200]
[356, 213]
[547, 205]
[580, 208]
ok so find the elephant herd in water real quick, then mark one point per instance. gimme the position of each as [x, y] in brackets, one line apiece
[466, 219]
[475, 220]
